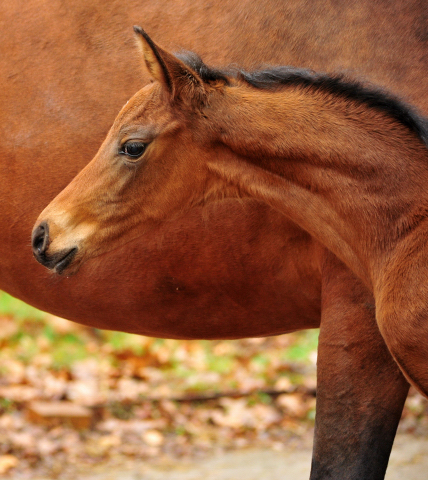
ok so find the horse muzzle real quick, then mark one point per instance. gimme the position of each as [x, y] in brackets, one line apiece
[57, 261]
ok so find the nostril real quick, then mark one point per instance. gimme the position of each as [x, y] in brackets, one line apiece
[40, 239]
[38, 244]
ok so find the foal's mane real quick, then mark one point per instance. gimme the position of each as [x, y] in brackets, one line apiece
[272, 78]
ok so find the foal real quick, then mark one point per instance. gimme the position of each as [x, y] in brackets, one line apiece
[347, 164]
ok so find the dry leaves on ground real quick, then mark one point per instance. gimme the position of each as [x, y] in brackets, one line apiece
[70, 395]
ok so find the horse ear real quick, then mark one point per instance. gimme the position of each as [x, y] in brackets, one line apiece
[181, 81]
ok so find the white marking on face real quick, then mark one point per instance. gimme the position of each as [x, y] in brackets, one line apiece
[64, 235]
[61, 219]
[82, 231]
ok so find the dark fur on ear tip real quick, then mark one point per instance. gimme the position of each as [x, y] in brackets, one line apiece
[139, 30]
[155, 51]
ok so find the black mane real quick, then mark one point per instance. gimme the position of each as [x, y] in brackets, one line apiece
[273, 78]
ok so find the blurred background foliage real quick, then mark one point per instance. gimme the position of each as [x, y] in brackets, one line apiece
[144, 397]
[147, 398]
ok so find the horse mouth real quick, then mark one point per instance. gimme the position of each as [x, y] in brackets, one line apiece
[57, 262]
[64, 261]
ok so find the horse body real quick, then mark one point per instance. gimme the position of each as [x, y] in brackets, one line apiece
[221, 271]
[354, 178]
[61, 84]
[323, 152]
[320, 153]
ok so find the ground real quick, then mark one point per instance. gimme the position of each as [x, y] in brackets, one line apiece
[409, 460]
[83, 404]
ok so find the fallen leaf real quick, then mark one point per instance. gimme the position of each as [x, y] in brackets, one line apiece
[153, 438]
[7, 462]
[293, 404]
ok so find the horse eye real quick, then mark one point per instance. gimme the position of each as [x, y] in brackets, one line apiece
[133, 149]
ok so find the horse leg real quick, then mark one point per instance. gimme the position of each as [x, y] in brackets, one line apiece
[402, 310]
[361, 391]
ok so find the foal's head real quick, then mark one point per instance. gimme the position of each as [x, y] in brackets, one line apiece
[151, 166]
[196, 134]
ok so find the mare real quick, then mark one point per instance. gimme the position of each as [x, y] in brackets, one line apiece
[66, 69]
[346, 163]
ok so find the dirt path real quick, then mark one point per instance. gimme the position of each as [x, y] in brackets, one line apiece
[409, 460]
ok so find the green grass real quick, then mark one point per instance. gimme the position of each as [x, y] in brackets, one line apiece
[35, 332]
[306, 343]
[10, 306]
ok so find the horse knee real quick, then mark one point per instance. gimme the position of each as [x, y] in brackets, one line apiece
[406, 337]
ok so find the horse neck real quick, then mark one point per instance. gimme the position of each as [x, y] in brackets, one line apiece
[351, 176]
